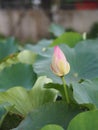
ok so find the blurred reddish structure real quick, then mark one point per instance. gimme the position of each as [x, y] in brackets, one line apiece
[80, 4]
[85, 5]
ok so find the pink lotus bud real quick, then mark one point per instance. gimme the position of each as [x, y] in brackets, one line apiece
[60, 65]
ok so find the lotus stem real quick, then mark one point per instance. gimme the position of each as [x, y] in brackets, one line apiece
[65, 90]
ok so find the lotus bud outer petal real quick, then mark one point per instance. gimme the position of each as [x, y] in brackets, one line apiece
[59, 65]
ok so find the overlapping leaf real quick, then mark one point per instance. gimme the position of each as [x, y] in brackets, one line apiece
[8, 47]
[40, 48]
[25, 56]
[86, 93]
[51, 113]
[69, 38]
[52, 127]
[17, 75]
[85, 121]
[23, 101]
[2, 112]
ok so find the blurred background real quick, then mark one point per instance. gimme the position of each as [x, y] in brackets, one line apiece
[30, 20]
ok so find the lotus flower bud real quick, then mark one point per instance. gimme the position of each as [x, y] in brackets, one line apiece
[59, 65]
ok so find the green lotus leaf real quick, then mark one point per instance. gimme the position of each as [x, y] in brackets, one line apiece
[23, 101]
[86, 93]
[57, 113]
[56, 29]
[2, 112]
[69, 38]
[8, 47]
[52, 127]
[17, 75]
[85, 121]
[26, 56]
[61, 92]
[40, 48]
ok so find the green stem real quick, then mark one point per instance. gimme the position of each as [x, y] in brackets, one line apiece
[65, 90]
